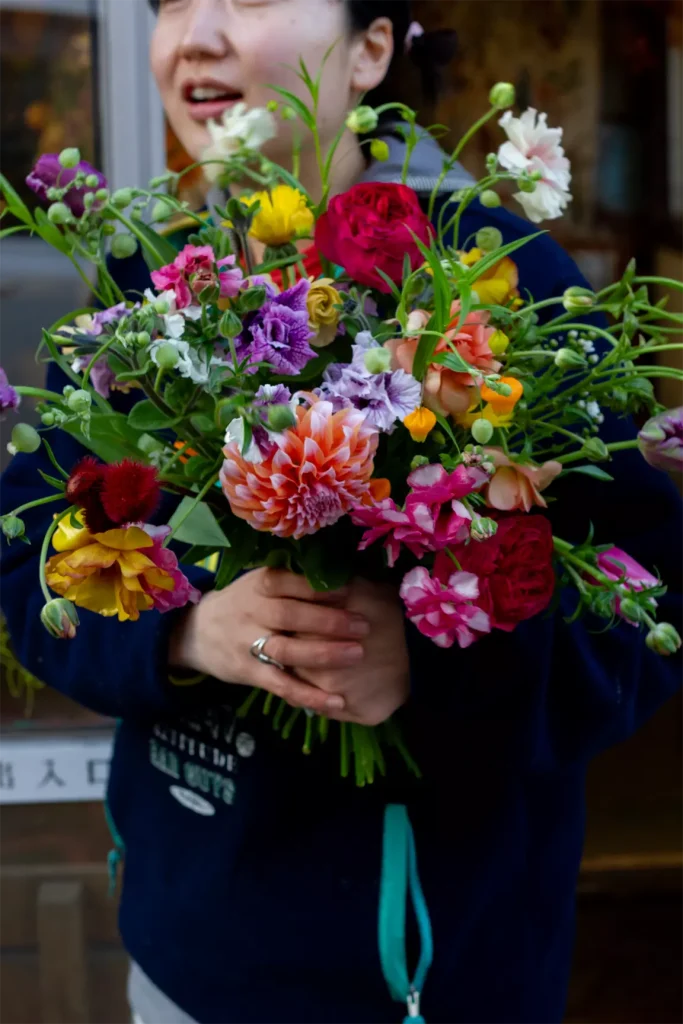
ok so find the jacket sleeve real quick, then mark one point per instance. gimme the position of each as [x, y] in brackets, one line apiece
[571, 690]
[114, 668]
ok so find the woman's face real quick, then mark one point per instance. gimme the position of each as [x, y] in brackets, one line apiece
[207, 55]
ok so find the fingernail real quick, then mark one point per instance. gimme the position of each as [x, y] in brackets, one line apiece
[359, 626]
[335, 703]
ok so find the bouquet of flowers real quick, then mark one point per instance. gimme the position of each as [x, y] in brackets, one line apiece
[384, 401]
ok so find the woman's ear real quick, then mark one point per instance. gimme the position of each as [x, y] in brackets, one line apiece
[372, 55]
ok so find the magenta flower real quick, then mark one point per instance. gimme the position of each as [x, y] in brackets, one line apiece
[196, 268]
[616, 565]
[661, 441]
[9, 399]
[183, 592]
[49, 173]
[444, 612]
[433, 518]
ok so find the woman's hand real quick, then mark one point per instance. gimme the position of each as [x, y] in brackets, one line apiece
[215, 635]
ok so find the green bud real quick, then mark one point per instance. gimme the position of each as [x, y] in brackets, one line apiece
[166, 356]
[143, 338]
[102, 194]
[209, 294]
[12, 527]
[379, 150]
[25, 438]
[496, 384]
[123, 246]
[162, 179]
[162, 210]
[70, 157]
[272, 106]
[229, 325]
[577, 299]
[252, 298]
[595, 450]
[488, 239]
[482, 431]
[80, 402]
[631, 610]
[663, 639]
[641, 387]
[490, 199]
[280, 417]
[88, 200]
[92, 181]
[287, 113]
[526, 185]
[59, 213]
[68, 390]
[419, 460]
[483, 528]
[362, 120]
[377, 360]
[122, 197]
[54, 193]
[108, 230]
[568, 359]
[438, 437]
[502, 95]
[239, 215]
[60, 618]
[48, 418]
[160, 306]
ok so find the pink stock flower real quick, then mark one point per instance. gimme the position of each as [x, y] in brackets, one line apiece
[446, 391]
[533, 146]
[516, 485]
[620, 567]
[433, 517]
[194, 269]
[444, 612]
[158, 588]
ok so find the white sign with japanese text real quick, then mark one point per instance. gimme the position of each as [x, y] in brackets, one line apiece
[54, 768]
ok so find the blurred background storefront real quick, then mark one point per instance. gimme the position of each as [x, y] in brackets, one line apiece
[74, 72]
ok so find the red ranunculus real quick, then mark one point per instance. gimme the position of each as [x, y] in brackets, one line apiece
[515, 569]
[369, 228]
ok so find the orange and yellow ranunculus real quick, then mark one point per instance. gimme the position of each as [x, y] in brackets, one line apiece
[119, 572]
[498, 284]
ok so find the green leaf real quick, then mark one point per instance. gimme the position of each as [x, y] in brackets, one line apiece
[385, 277]
[53, 481]
[49, 233]
[204, 424]
[16, 204]
[494, 257]
[453, 361]
[157, 250]
[322, 565]
[12, 231]
[146, 416]
[243, 544]
[296, 104]
[126, 374]
[111, 436]
[200, 527]
[594, 471]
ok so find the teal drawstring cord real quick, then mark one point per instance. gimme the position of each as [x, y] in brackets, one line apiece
[400, 882]
[117, 853]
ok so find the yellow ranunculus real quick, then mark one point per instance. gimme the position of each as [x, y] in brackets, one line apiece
[497, 285]
[104, 572]
[420, 423]
[323, 315]
[284, 215]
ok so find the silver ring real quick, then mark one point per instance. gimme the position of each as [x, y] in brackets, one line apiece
[256, 651]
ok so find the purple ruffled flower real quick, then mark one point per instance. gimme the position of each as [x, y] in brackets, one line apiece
[278, 333]
[107, 316]
[9, 399]
[272, 394]
[49, 173]
[661, 441]
[384, 397]
[101, 376]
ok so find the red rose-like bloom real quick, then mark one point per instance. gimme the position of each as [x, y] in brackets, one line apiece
[514, 567]
[369, 228]
[125, 492]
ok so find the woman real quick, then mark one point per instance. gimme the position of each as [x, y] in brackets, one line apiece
[262, 906]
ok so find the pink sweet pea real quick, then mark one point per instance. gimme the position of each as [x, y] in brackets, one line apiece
[444, 612]
[516, 485]
[620, 567]
[194, 269]
[183, 592]
[433, 517]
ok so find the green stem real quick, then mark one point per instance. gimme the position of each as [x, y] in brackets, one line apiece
[102, 350]
[344, 749]
[668, 281]
[289, 724]
[158, 379]
[454, 156]
[308, 735]
[191, 507]
[37, 502]
[615, 446]
[453, 559]
[51, 456]
[246, 704]
[278, 714]
[565, 550]
[45, 547]
[49, 396]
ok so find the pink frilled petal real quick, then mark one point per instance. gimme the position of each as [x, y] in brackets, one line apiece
[443, 612]
[428, 476]
[465, 584]
[617, 565]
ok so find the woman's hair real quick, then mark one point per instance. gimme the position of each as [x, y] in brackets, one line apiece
[429, 52]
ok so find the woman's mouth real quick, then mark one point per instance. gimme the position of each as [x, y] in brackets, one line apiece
[206, 102]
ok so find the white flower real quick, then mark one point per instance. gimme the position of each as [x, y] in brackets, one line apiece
[593, 410]
[532, 146]
[189, 313]
[240, 128]
[235, 432]
[190, 363]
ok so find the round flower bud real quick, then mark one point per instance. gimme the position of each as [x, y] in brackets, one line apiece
[60, 618]
[53, 194]
[25, 438]
[630, 610]
[577, 299]
[166, 356]
[48, 418]
[12, 527]
[162, 210]
[102, 194]
[568, 359]
[419, 460]
[280, 417]
[123, 246]
[108, 229]
[161, 306]
[92, 181]
[595, 450]
[80, 402]
[161, 179]
[70, 157]
[377, 360]
[362, 120]
[488, 239]
[122, 197]
[59, 213]
[88, 199]
[287, 113]
[526, 185]
[379, 150]
[482, 431]
[663, 639]
[490, 199]
[68, 390]
[143, 338]
[483, 528]
[502, 95]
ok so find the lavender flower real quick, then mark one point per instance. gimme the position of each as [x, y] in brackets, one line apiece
[384, 397]
[107, 316]
[9, 399]
[48, 173]
[661, 441]
[272, 394]
[278, 333]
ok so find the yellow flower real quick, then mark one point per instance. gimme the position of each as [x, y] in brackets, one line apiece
[466, 419]
[284, 215]
[420, 423]
[498, 285]
[105, 572]
[323, 316]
